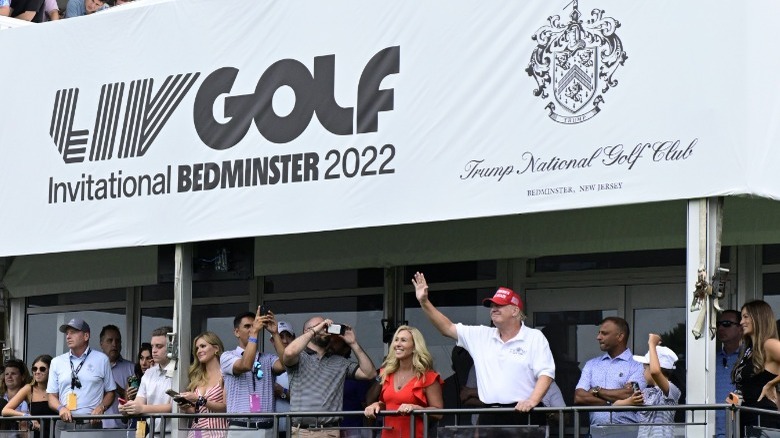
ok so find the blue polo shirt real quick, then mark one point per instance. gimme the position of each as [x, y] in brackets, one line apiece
[95, 377]
[724, 364]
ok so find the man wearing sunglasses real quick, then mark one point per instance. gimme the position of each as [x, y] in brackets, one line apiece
[249, 375]
[730, 336]
[80, 381]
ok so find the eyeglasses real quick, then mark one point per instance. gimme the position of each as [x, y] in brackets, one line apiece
[75, 383]
[41, 369]
[257, 369]
[727, 324]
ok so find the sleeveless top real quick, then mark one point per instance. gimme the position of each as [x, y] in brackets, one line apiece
[751, 385]
[42, 408]
[210, 427]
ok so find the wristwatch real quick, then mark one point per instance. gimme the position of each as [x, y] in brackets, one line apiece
[595, 390]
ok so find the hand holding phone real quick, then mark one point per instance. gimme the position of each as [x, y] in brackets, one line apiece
[122, 401]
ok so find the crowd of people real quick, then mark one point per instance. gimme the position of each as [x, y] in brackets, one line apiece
[41, 11]
[511, 366]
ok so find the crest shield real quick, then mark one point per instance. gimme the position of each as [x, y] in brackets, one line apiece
[575, 78]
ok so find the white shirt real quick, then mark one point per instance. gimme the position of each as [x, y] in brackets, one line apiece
[154, 383]
[506, 371]
[95, 377]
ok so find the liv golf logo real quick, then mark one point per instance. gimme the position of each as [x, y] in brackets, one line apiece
[577, 60]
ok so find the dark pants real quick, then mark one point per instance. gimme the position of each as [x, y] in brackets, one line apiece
[61, 425]
[511, 420]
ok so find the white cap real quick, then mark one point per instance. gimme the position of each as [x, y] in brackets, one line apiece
[666, 357]
[284, 326]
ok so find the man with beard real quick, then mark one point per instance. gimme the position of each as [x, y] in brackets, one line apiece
[608, 378]
[317, 377]
[121, 369]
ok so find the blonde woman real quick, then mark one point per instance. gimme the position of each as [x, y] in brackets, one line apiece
[409, 384]
[35, 394]
[205, 393]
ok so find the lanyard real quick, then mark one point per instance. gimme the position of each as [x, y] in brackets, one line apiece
[254, 372]
[74, 373]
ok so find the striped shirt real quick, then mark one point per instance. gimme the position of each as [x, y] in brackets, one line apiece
[317, 385]
[655, 397]
[239, 387]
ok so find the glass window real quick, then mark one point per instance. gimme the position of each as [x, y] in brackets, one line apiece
[614, 260]
[152, 318]
[44, 337]
[448, 272]
[94, 296]
[217, 319]
[772, 291]
[329, 280]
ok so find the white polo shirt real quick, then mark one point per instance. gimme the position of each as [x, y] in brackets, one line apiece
[95, 376]
[506, 371]
[154, 383]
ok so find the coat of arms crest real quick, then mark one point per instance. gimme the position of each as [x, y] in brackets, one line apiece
[576, 60]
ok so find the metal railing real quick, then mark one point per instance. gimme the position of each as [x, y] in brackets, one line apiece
[561, 421]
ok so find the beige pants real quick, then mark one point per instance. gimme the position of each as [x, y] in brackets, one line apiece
[298, 432]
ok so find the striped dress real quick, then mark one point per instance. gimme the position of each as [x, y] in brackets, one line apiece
[210, 427]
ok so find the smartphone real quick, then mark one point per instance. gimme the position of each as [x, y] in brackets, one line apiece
[181, 400]
[122, 401]
[337, 329]
[172, 393]
[635, 387]
[264, 310]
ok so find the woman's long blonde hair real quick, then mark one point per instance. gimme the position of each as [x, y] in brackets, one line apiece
[422, 361]
[198, 373]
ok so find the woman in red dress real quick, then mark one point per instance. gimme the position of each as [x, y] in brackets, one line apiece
[409, 384]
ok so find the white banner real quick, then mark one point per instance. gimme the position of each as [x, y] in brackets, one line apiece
[206, 119]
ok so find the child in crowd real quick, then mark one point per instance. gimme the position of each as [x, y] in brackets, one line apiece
[659, 363]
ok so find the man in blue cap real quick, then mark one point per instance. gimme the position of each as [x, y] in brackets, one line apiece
[80, 381]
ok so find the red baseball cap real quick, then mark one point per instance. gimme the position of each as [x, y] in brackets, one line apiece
[504, 296]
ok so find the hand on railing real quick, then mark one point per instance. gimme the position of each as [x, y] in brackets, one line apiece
[734, 398]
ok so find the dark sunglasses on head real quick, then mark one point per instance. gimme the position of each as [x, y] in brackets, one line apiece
[41, 369]
[727, 324]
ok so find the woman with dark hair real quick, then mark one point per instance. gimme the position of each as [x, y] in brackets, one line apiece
[409, 384]
[758, 369]
[206, 389]
[33, 399]
[145, 360]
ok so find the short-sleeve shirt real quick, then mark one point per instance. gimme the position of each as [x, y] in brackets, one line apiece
[612, 373]
[655, 397]
[724, 363]
[95, 377]
[239, 387]
[317, 385]
[154, 383]
[506, 371]
[120, 371]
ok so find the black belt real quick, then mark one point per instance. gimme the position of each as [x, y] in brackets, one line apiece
[499, 405]
[317, 426]
[252, 424]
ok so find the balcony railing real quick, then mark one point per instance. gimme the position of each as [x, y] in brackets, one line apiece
[562, 422]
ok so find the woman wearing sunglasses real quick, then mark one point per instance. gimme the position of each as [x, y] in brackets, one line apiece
[34, 395]
[206, 389]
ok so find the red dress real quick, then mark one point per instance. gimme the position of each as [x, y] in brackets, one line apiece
[412, 393]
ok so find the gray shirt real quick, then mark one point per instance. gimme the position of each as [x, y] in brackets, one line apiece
[317, 385]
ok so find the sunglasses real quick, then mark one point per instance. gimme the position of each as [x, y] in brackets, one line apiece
[75, 383]
[41, 369]
[727, 324]
[257, 369]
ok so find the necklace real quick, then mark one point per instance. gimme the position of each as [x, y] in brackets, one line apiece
[400, 380]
